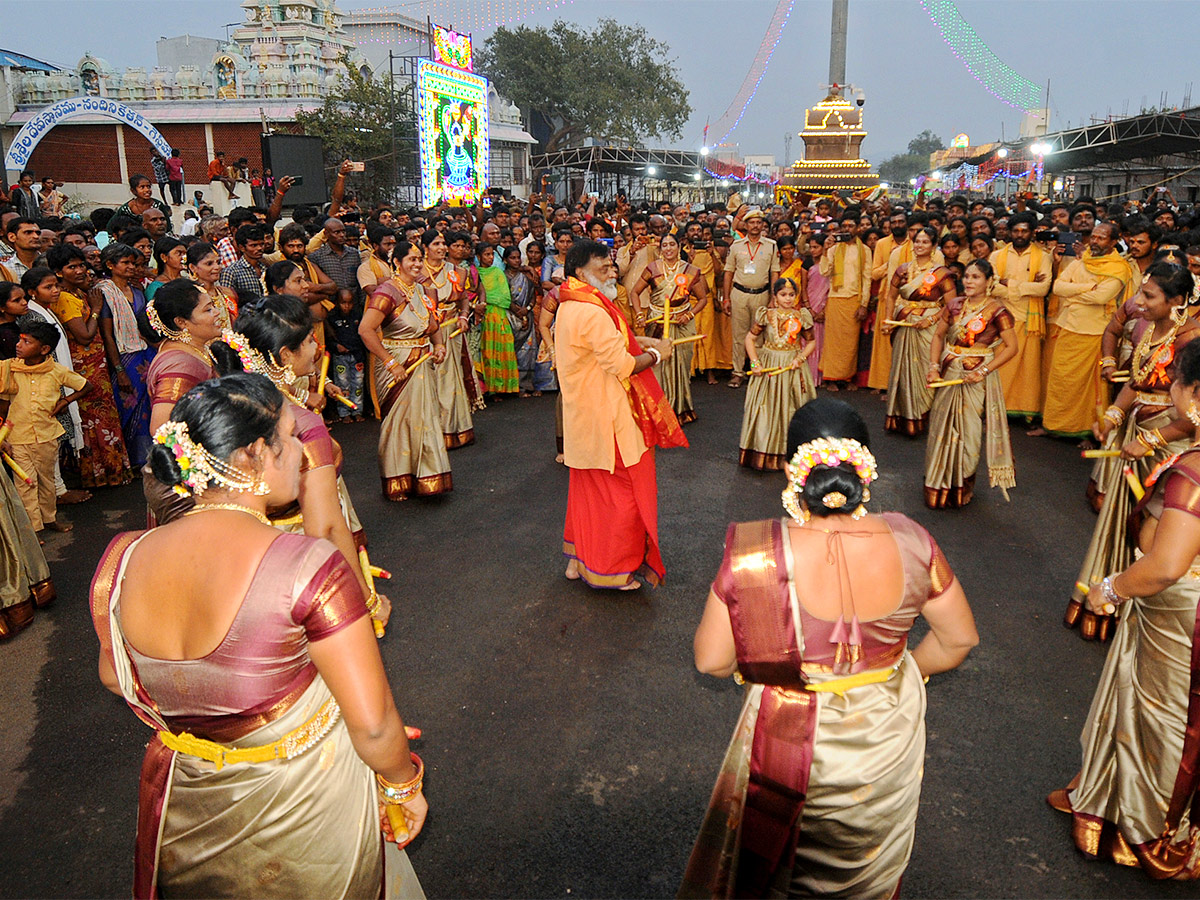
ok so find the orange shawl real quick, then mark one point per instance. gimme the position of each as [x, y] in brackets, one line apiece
[647, 401]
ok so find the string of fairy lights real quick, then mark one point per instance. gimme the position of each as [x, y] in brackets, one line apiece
[989, 70]
[758, 70]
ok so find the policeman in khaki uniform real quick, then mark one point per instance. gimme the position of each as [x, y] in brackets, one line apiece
[751, 266]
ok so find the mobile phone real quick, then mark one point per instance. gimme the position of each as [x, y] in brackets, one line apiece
[843, 237]
[701, 245]
[358, 167]
[297, 180]
[1068, 240]
[1162, 190]
[1048, 234]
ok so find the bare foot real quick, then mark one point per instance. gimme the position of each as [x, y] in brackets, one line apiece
[535, 393]
[1036, 432]
[712, 379]
[735, 381]
[633, 585]
[1087, 444]
[572, 572]
[852, 386]
[832, 386]
[72, 497]
[60, 527]
[560, 459]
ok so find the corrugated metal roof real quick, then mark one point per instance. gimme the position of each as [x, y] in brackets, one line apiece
[14, 60]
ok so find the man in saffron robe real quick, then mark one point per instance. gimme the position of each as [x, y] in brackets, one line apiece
[614, 415]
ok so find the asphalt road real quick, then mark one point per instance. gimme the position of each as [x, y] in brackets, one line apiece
[570, 744]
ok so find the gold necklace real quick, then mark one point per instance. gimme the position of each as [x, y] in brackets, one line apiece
[203, 352]
[670, 273]
[433, 276]
[236, 507]
[1144, 359]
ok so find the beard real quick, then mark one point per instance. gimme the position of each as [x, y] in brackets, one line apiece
[607, 288]
[1020, 243]
[900, 233]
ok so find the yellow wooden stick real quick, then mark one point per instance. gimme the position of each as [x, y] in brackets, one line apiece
[667, 319]
[324, 374]
[689, 340]
[345, 401]
[369, 577]
[1099, 454]
[1119, 379]
[4, 430]
[1082, 588]
[899, 324]
[17, 470]
[950, 383]
[1134, 485]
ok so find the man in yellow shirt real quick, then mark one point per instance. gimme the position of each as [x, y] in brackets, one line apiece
[1088, 292]
[634, 256]
[1023, 272]
[847, 265]
[881, 272]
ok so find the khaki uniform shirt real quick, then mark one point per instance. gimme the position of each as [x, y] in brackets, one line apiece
[753, 267]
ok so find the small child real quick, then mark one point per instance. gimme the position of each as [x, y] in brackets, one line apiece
[780, 379]
[32, 384]
[347, 355]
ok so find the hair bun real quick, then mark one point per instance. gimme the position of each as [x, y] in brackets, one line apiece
[164, 466]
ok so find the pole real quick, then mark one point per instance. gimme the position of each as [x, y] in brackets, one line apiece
[837, 44]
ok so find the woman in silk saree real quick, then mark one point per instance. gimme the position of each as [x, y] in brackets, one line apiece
[267, 770]
[819, 789]
[1135, 798]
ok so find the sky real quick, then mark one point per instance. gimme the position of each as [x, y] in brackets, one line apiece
[910, 77]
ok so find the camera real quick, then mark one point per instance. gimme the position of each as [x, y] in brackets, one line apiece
[843, 237]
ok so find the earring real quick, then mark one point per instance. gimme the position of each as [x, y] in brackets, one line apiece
[866, 494]
[792, 505]
[1193, 414]
[1179, 314]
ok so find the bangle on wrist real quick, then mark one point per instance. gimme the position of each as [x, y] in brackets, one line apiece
[653, 351]
[392, 794]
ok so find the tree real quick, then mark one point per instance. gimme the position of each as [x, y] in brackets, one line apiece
[900, 168]
[356, 122]
[613, 82]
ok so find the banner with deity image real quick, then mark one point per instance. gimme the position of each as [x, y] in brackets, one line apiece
[452, 132]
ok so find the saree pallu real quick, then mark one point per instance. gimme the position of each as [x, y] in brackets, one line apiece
[909, 396]
[500, 373]
[1074, 388]
[25, 580]
[611, 527]
[1109, 549]
[956, 436]
[454, 401]
[1134, 740]
[133, 407]
[104, 461]
[771, 401]
[412, 447]
[675, 375]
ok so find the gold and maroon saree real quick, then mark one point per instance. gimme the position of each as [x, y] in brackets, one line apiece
[819, 789]
[304, 824]
[1136, 797]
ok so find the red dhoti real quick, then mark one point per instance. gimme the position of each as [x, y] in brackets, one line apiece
[611, 529]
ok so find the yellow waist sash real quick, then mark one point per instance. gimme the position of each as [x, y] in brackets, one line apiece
[1152, 398]
[291, 745]
[839, 686]
[407, 344]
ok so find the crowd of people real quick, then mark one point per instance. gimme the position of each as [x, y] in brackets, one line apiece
[213, 355]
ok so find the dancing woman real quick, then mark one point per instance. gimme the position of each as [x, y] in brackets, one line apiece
[1142, 425]
[277, 743]
[915, 297]
[186, 319]
[967, 349]
[1141, 742]
[819, 789]
[129, 354]
[458, 425]
[780, 378]
[274, 338]
[412, 449]
[674, 280]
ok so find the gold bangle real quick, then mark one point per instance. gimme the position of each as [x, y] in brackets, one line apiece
[1106, 361]
[391, 793]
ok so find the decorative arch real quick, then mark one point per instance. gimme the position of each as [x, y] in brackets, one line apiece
[35, 129]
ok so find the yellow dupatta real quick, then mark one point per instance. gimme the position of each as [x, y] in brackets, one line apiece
[1035, 321]
[1111, 265]
[839, 261]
